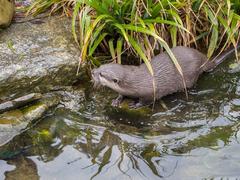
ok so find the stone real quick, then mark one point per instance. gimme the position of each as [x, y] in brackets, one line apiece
[37, 57]
[7, 8]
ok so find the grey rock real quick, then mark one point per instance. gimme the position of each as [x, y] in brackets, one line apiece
[37, 57]
[7, 8]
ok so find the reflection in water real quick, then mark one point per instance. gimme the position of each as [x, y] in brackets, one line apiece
[25, 169]
[198, 137]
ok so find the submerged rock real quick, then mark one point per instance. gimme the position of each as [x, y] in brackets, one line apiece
[37, 56]
[19, 102]
[7, 8]
[72, 99]
[14, 122]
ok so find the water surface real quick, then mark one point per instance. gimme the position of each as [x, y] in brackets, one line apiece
[193, 139]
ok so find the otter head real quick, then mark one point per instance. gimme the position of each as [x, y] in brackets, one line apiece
[110, 75]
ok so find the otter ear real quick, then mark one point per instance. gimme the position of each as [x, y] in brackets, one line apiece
[103, 74]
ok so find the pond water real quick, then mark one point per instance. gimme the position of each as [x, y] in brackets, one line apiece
[198, 138]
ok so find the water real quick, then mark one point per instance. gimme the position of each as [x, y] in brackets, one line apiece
[196, 138]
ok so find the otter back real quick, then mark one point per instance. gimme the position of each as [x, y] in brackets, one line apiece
[166, 76]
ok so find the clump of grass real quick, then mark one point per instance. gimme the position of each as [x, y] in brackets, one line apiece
[41, 6]
[141, 27]
[118, 26]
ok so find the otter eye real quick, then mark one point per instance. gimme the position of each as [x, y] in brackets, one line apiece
[115, 80]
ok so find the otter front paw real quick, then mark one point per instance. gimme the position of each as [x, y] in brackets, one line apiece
[116, 102]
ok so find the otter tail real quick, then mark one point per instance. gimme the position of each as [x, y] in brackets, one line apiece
[214, 62]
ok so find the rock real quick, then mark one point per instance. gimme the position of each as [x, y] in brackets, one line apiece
[37, 57]
[7, 9]
[19, 102]
[14, 122]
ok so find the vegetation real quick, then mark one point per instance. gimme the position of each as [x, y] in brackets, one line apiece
[141, 27]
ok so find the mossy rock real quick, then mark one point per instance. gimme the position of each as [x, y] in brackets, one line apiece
[14, 122]
[128, 115]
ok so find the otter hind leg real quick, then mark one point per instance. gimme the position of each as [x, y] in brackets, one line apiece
[139, 103]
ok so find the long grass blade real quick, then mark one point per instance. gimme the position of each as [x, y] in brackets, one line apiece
[140, 52]
[96, 43]
[119, 50]
[75, 14]
[111, 49]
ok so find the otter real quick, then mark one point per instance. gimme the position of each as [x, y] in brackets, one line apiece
[136, 81]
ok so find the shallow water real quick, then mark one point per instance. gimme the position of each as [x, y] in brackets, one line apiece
[193, 139]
